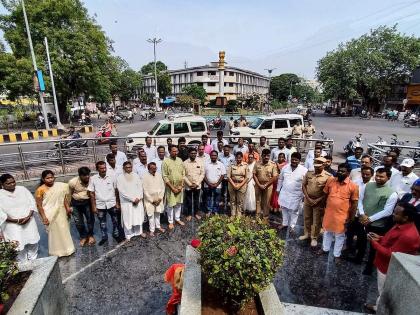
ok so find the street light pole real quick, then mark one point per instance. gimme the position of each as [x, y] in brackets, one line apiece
[59, 125]
[269, 81]
[41, 97]
[155, 41]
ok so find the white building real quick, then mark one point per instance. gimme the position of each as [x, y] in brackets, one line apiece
[237, 82]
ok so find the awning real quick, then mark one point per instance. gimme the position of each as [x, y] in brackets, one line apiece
[168, 101]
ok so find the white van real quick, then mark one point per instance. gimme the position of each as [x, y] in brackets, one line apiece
[179, 125]
[271, 126]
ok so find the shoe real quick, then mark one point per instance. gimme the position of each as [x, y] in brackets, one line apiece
[189, 218]
[103, 241]
[83, 242]
[91, 240]
[303, 237]
[171, 226]
[338, 260]
[180, 223]
[152, 234]
[314, 243]
[367, 271]
[143, 235]
[162, 230]
[369, 308]
[198, 217]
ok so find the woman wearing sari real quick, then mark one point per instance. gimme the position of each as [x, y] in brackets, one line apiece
[250, 203]
[52, 201]
[281, 162]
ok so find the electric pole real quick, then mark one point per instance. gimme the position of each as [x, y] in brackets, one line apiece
[59, 125]
[155, 41]
[41, 97]
[270, 71]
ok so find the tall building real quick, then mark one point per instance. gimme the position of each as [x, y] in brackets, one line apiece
[237, 82]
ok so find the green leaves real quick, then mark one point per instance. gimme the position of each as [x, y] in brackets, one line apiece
[8, 266]
[195, 91]
[239, 256]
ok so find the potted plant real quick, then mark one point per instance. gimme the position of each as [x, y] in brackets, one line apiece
[239, 259]
[8, 269]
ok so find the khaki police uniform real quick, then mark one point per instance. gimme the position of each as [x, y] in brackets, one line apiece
[264, 173]
[309, 132]
[313, 213]
[237, 173]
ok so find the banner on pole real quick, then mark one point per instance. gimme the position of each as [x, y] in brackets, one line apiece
[41, 82]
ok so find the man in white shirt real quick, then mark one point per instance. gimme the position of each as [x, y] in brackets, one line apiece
[311, 153]
[219, 138]
[17, 223]
[309, 163]
[240, 147]
[150, 150]
[102, 188]
[280, 149]
[202, 156]
[111, 166]
[194, 175]
[120, 157]
[290, 147]
[140, 164]
[215, 171]
[403, 180]
[161, 153]
[356, 173]
[388, 162]
[290, 191]
[227, 159]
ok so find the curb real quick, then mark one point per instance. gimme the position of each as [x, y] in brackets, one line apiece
[37, 134]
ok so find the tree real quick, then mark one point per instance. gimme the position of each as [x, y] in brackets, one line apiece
[79, 49]
[164, 84]
[369, 66]
[186, 101]
[280, 85]
[150, 67]
[197, 92]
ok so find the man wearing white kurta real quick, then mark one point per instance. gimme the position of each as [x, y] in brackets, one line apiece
[161, 154]
[151, 151]
[17, 206]
[290, 190]
[154, 192]
[130, 189]
[120, 157]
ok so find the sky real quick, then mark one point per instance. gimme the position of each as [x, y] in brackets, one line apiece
[288, 35]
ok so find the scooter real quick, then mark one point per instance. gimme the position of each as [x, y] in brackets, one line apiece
[102, 138]
[353, 144]
[375, 153]
[411, 123]
[217, 124]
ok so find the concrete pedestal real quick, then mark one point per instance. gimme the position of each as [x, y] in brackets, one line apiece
[43, 293]
[401, 293]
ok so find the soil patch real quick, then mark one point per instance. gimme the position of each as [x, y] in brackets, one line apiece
[14, 287]
[211, 303]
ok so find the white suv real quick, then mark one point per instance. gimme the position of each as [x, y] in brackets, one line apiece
[270, 126]
[179, 125]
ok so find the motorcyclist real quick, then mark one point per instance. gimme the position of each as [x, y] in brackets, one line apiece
[72, 134]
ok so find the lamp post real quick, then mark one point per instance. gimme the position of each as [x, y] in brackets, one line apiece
[41, 97]
[155, 41]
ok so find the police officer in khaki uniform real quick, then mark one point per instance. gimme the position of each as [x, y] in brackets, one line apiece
[297, 132]
[237, 184]
[309, 132]
[314, 202]
[265, 174]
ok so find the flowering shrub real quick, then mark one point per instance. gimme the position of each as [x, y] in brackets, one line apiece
[239, 256]
[8, 266]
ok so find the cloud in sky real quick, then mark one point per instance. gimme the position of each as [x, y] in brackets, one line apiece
[288, 35]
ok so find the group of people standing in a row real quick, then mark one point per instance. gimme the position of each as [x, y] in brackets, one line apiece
[355, 201]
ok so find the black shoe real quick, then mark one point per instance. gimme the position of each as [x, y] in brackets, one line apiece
[103, 241]
[367, 271]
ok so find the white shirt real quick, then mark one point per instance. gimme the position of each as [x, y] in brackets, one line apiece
[213, 171]
[215, 141]
[17, 205]
[204, 159]
[276, 151]
[114, 172]
[387, 211]
[104, 189]
[356, 174]
[402, 184]
[243, 149]
[151, 152]
[158, 163]
[394, 172]
[139, 168]
[362, 187]
[120, 158]
[290, 186]
[310, 157]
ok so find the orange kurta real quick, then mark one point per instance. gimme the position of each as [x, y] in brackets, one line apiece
[255, 154]
[337, 210]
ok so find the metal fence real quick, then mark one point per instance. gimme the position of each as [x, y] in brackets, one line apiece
[378, 151]
[27, 160]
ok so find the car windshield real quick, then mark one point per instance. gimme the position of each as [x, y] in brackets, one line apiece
[256, 123]
[156, 127]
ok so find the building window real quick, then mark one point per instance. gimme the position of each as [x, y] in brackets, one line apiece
[199, 73]
[212, 72]
[225, 73]
[225, 84]
[211, 84]
[230, 84]
[231, 74]
[199, 83]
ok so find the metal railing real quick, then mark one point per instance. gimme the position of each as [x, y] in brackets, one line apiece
[26, 160]
[378, 151]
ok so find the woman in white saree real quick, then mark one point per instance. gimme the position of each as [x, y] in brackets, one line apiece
[250, 201]
[53, 203]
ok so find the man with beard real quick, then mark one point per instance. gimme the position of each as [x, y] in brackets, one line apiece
[159, 160]
[182, 149]
[342, 197]
[130, 190]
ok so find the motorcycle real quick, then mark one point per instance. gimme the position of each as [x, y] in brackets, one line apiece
[86, 122]
[353, 144]
[152, 114]
[325, 145]
[75, 147]
[101, 136]
[217, 124]
[375, 153]
[411, 123]
[366, 115]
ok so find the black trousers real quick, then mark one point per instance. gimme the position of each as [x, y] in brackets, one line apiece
[192, 200]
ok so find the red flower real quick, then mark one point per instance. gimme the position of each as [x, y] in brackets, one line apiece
[232, 251]
[195, 243]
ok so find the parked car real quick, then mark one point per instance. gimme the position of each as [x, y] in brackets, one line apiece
[272, 126]
[179, 125]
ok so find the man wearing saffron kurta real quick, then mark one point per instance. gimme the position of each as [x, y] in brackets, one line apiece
[154, 192]
[342, 197]
[173, 174]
